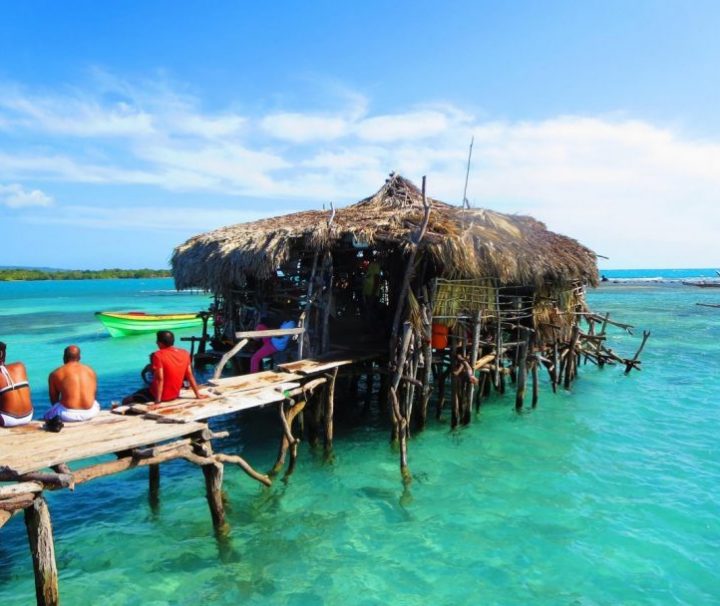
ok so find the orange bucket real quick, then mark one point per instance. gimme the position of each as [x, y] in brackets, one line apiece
[439, 336]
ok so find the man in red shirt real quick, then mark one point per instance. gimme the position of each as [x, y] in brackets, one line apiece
[170, 367]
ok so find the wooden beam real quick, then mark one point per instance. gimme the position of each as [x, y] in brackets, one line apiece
[227, 355]
[20, 488]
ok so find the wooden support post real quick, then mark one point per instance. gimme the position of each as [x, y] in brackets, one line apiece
[522, 368]
[630, 364]
[213, 473]
[42, 547]
[454, 396]
[154, 486]
[480, 394]
[427, 357]
[401, 421]
[329, 408]
[570, 358]
[473, 359]
[598, 346]
[412, 366]
[535, 382]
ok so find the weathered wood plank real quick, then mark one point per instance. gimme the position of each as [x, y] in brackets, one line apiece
[251, 381]
[328, 362]
[272, 332]
[30, 448]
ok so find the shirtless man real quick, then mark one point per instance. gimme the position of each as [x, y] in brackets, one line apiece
[15, 404]
[72, 388]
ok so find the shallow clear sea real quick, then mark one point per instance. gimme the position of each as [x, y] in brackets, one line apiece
[606, 495]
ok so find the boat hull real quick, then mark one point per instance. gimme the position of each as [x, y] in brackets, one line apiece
[124, 324]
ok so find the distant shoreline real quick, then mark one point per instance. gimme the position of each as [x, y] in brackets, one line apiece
[29, 275]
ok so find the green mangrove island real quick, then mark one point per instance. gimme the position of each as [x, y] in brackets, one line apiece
[10, 275]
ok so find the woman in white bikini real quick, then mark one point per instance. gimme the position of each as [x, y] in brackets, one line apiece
[15, 404]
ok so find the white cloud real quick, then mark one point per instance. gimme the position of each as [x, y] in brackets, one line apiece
[301, 128]
[615, 183]
[73, 116]
[146, 218]
[403, 127]
[15, 196]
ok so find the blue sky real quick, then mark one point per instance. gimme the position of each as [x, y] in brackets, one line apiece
[127, 127]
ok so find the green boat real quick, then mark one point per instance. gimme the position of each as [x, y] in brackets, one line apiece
[136, 322]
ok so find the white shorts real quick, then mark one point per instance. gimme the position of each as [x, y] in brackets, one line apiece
[11, 421]
[72, 415]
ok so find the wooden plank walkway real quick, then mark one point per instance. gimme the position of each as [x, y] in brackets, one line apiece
[31, 448]
[143, 435]
[227, 395]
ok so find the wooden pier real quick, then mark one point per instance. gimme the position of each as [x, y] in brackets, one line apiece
[33, 460]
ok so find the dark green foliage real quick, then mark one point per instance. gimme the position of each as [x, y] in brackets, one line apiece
[7, 275]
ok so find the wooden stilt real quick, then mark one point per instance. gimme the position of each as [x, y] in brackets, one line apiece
[213, 473]
[556, 367]
[329, 408]
[213, 491]
[154, 488]
[570, 358]
[42, 547]
[426, 312]
[454, 396]
[535, 382]
[522, 369]
[474, 358]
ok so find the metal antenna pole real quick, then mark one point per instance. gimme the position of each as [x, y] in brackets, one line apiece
[466, 202]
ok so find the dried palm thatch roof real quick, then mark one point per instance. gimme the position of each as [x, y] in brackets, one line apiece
[462, 242]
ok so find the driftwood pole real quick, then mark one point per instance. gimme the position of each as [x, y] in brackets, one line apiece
[42, 547]
[535, 383]
[409, 270]
[426, 311]
[570, 358]
[213, 473]
[399, 420]
[454, 398]
[329, 408]
[474, 357]
[521, 358]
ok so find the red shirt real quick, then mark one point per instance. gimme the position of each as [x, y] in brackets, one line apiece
[174, 363]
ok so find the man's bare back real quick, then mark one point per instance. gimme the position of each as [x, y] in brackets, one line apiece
[74, 385]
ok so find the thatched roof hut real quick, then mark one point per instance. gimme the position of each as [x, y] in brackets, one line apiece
[434, 293]
[467, 243]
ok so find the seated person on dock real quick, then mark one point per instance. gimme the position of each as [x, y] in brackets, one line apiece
[73, 388]
[170, 367]
[15, 404]
[270, 345]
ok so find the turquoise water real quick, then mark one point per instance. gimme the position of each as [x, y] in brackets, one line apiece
[607, 495]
